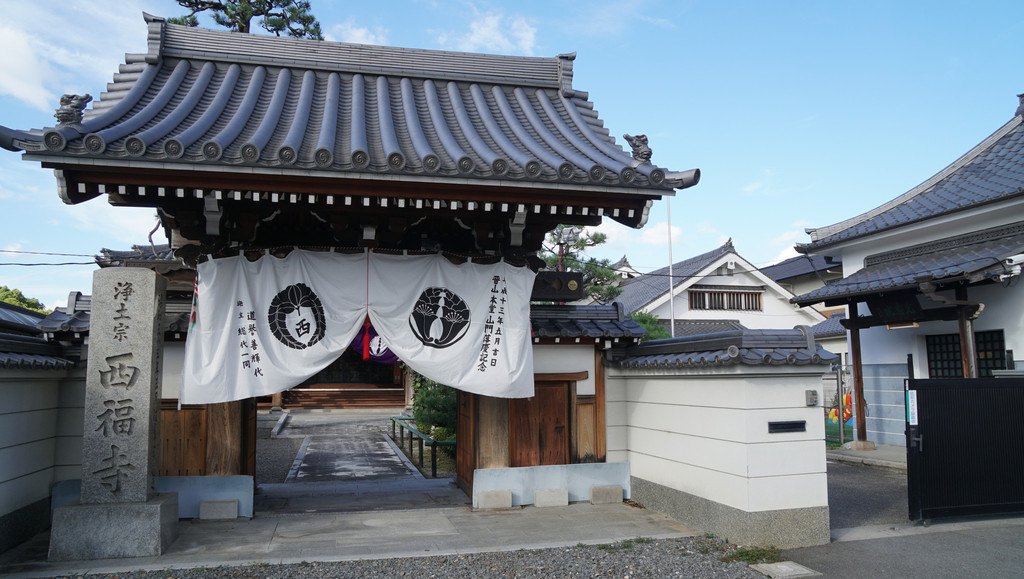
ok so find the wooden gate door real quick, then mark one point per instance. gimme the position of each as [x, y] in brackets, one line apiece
[965, 447]
[539, 426]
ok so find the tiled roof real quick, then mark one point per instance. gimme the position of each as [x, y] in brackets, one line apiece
[991, 172]
[798, 266]
[830, 327]
[973, 257]
[640, 291]
[749, 347]
[30, 353]
[18, 319]
[686, 328]
[114, 257]
[238, 101]
[75, 317]
[597, 321]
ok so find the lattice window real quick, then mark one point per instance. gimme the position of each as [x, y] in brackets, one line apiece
[944, 354]
[724, 300]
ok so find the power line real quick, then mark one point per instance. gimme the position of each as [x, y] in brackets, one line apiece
[44, 253]
[44, 264]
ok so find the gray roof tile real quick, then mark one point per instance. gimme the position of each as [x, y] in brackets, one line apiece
[973, 257]
[594, 321]
[18, 319]
[243, 100]
[831, 327]
[797, 266]
[990, 172]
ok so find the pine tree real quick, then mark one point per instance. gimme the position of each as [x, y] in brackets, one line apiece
[292, 17]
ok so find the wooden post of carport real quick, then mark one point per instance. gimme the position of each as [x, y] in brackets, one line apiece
[968, 349]
[860, 403]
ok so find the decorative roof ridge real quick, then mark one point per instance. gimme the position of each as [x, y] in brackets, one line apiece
[821, 234]
[946, 243]
[177, 41]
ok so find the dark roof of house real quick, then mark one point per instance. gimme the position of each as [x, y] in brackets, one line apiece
[798, 266]
[749, 347]
[595, 321]
[685, 328]
[22, 352]
[990, 172]
[831, 327]
[973, 257]
[239, 102]
[18, 319]
[640, 291]
[74, 318]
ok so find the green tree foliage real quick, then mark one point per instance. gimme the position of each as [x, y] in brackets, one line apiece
[649, 322]
[291, 17]
[434, 406]
[599, 279]
[15, 297]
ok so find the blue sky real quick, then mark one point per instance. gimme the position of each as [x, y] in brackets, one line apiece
[799, 114]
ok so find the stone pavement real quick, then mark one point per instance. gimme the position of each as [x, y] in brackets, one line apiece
[361, 513]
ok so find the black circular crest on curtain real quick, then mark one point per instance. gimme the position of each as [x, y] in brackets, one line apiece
[308, 328]
[440, 317]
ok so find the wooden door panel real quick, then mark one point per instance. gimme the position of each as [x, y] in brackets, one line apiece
[539, 426]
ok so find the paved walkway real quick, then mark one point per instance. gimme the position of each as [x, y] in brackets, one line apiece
[336, 511]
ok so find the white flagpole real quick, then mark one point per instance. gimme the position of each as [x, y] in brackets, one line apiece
[671, 298]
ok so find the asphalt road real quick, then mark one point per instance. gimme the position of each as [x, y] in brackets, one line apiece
[860, 495]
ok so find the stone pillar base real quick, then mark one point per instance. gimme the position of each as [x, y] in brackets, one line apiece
[114, 530]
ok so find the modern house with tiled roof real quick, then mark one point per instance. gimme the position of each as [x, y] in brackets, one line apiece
[713, 292]
[932, 278]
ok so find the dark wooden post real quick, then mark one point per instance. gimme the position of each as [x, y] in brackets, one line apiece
[858, 377]
[968, 350]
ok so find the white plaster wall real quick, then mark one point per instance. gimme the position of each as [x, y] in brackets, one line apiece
[707, 434]
[170, 375]
[40, 433]
[776, 312]
[559, 358]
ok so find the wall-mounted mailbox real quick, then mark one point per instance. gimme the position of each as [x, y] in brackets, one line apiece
[787, 426]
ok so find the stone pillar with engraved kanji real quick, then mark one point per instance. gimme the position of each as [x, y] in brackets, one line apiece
[120, 514]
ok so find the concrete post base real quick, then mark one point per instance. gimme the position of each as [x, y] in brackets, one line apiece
[114, 530]
[862, 445]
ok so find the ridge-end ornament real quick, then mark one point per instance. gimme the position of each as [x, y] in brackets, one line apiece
[71, 110]
[641, 152]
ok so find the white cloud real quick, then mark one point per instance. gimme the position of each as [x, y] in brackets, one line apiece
[783, 255]
[657, 234]
[706, 228]
[73, 47]
[348, 32]
[787, 237]
[126, 225]
[494, 32]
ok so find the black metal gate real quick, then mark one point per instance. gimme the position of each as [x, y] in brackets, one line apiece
[965, 447]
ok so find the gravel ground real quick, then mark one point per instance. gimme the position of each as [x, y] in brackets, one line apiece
[697, 557]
